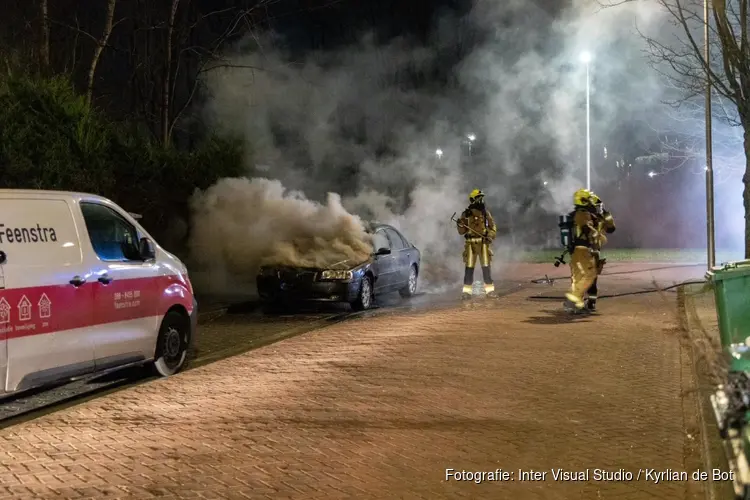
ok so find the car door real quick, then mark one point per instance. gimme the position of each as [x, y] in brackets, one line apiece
[399, 252]
[125, 288]
[385, 264]
[46, 305]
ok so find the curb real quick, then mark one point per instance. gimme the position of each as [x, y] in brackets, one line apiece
[710, 443]
[212, 314]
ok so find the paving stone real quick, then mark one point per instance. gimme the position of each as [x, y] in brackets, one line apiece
[380, 407]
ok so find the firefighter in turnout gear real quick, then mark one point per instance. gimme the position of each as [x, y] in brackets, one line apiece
[478, 228]
[605, 223]
[585, 238]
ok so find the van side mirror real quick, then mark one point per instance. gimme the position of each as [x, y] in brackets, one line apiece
[146, 249]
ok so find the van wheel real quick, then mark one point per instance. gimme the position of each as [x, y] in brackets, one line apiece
[172, 344]
[364, 299]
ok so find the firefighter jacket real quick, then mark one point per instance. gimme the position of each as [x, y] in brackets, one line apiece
[585, 229]
[480, 222]
[605, 223]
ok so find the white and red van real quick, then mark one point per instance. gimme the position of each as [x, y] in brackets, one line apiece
[85, 289]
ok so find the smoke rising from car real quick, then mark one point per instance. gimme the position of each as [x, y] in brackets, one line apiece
[351, 121]
[241, 224]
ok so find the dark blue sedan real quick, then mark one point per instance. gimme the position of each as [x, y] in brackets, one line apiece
[393, 267]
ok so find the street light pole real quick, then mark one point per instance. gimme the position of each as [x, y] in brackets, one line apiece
[588, 129]
[711, 244]
[471, 138]
[586, 58]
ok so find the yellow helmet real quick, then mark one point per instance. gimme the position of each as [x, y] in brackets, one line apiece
[583, 198]
[475, 195]
[595, 200]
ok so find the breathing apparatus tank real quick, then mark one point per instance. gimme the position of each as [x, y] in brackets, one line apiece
[565, 223]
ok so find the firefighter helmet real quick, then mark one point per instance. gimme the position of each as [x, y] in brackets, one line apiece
[583, 198]
[475, 195]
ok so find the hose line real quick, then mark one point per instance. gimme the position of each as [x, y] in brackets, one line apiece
[551, 281]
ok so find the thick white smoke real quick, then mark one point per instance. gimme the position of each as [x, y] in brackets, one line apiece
[242, 224]
[350, 121]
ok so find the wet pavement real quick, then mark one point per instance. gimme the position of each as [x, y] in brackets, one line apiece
[384, 404]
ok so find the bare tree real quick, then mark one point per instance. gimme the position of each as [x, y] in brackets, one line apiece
[683, 144]
[684, 66]
[101, 43]
[44, 38]
[168, 76]
[195, 60]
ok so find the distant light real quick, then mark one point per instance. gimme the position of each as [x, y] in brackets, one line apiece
[545, 183]
[439, 153]
[652, 174]
[471, 137]
[705, 168]
[586, 57]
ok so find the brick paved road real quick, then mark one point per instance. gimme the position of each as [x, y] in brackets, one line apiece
[380, 407]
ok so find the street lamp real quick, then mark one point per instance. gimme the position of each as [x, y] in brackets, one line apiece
[471, 138]
[586, 59]
[439, 153]
[710, 244]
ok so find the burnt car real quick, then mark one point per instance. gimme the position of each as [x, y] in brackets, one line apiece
[393, 267]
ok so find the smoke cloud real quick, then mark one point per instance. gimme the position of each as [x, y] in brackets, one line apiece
[353, 121]
[242, 224]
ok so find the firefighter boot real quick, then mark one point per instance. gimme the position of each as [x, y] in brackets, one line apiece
[573, 305]
[468, 289]
[570, 307]
[592, 296]
[489, 286]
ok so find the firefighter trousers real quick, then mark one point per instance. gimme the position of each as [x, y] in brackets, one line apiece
[477, 248]
[593, 292]
[583, 272]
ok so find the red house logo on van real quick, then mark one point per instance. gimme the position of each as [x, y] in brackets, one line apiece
[4, 311]
[24, 309]
[45, 306]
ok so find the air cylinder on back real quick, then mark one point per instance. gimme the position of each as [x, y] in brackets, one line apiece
[564, 223]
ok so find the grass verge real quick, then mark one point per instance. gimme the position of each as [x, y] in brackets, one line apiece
[638, 255]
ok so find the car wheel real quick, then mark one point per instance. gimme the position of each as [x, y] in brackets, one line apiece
[172, 344]
[411, 286]
[364, 299]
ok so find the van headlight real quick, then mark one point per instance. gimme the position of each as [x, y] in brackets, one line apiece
[336, 275]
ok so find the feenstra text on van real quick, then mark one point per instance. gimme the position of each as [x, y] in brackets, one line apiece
[36, 234]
